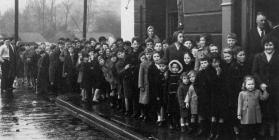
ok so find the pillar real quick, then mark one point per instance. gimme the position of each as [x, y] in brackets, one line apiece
[227, 19]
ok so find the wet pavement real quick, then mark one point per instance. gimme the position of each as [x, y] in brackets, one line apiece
[27, 116]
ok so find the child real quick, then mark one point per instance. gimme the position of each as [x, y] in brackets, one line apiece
[202, 50]
[248, 110]
[158, 48]
[175, 69]
[189, 62]
[86, 79]
[191, 101]
[204, 86]
[42, 77]
[143, 83]
[110, 63]
[218, 98]
[188, 43]
[156, 79]
[181, 93]
[120, 69]
[231, 42]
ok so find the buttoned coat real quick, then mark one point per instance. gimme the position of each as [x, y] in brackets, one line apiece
[249, 107]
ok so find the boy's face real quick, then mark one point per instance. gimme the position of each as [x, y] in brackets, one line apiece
[174, 68]
[187, 59]
[250, 85]
[158, 47]
[227, 57]
[231, 42]
[165, 46]
[85, 59]
[149, 45]
[156, 57]
[113, 59]
[185, 80]
[121, 55]
[188, 44]
[215, 63]
[241, 56]
[213, 49]
[101, 62]
[204, 64]
[162, 67]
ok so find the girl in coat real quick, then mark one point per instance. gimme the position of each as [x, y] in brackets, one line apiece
[181, 94]
[248, 110]
[191, 102]
[175, 69]
[143, 82]
[157, 81]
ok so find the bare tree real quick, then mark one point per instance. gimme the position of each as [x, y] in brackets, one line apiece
[67, 5]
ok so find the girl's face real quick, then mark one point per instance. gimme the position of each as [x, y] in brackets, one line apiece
[185, 80]
[227, 57]
[269, 47]
[174, 68]
[204, 64]
[180, 38]
[113, 59]
[150, 32]
[188, 44]
[194, 52]
[241, 56]
[187, 58]
[135, 45]
[215, 63]
[158, 47]
[202, 42]
[156, 57]
[142, 58]
[250, 84]
[192, 78]
[148, 56]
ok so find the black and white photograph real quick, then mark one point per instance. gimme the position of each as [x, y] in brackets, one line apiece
[139, 70]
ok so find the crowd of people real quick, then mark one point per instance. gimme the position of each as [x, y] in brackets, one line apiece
[191, 85]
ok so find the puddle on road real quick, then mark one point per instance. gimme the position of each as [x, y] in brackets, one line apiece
[28, 116]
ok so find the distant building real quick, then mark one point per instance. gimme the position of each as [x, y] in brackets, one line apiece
[217, 17]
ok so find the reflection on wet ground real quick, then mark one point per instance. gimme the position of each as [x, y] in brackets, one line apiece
[29, 116]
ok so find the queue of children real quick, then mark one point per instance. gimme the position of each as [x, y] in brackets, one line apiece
[193, 86]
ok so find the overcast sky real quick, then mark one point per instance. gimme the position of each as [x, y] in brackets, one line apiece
[7, 4]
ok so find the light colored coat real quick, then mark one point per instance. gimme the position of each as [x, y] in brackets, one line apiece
[249, 107]
[143, 82]
[192, 99]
